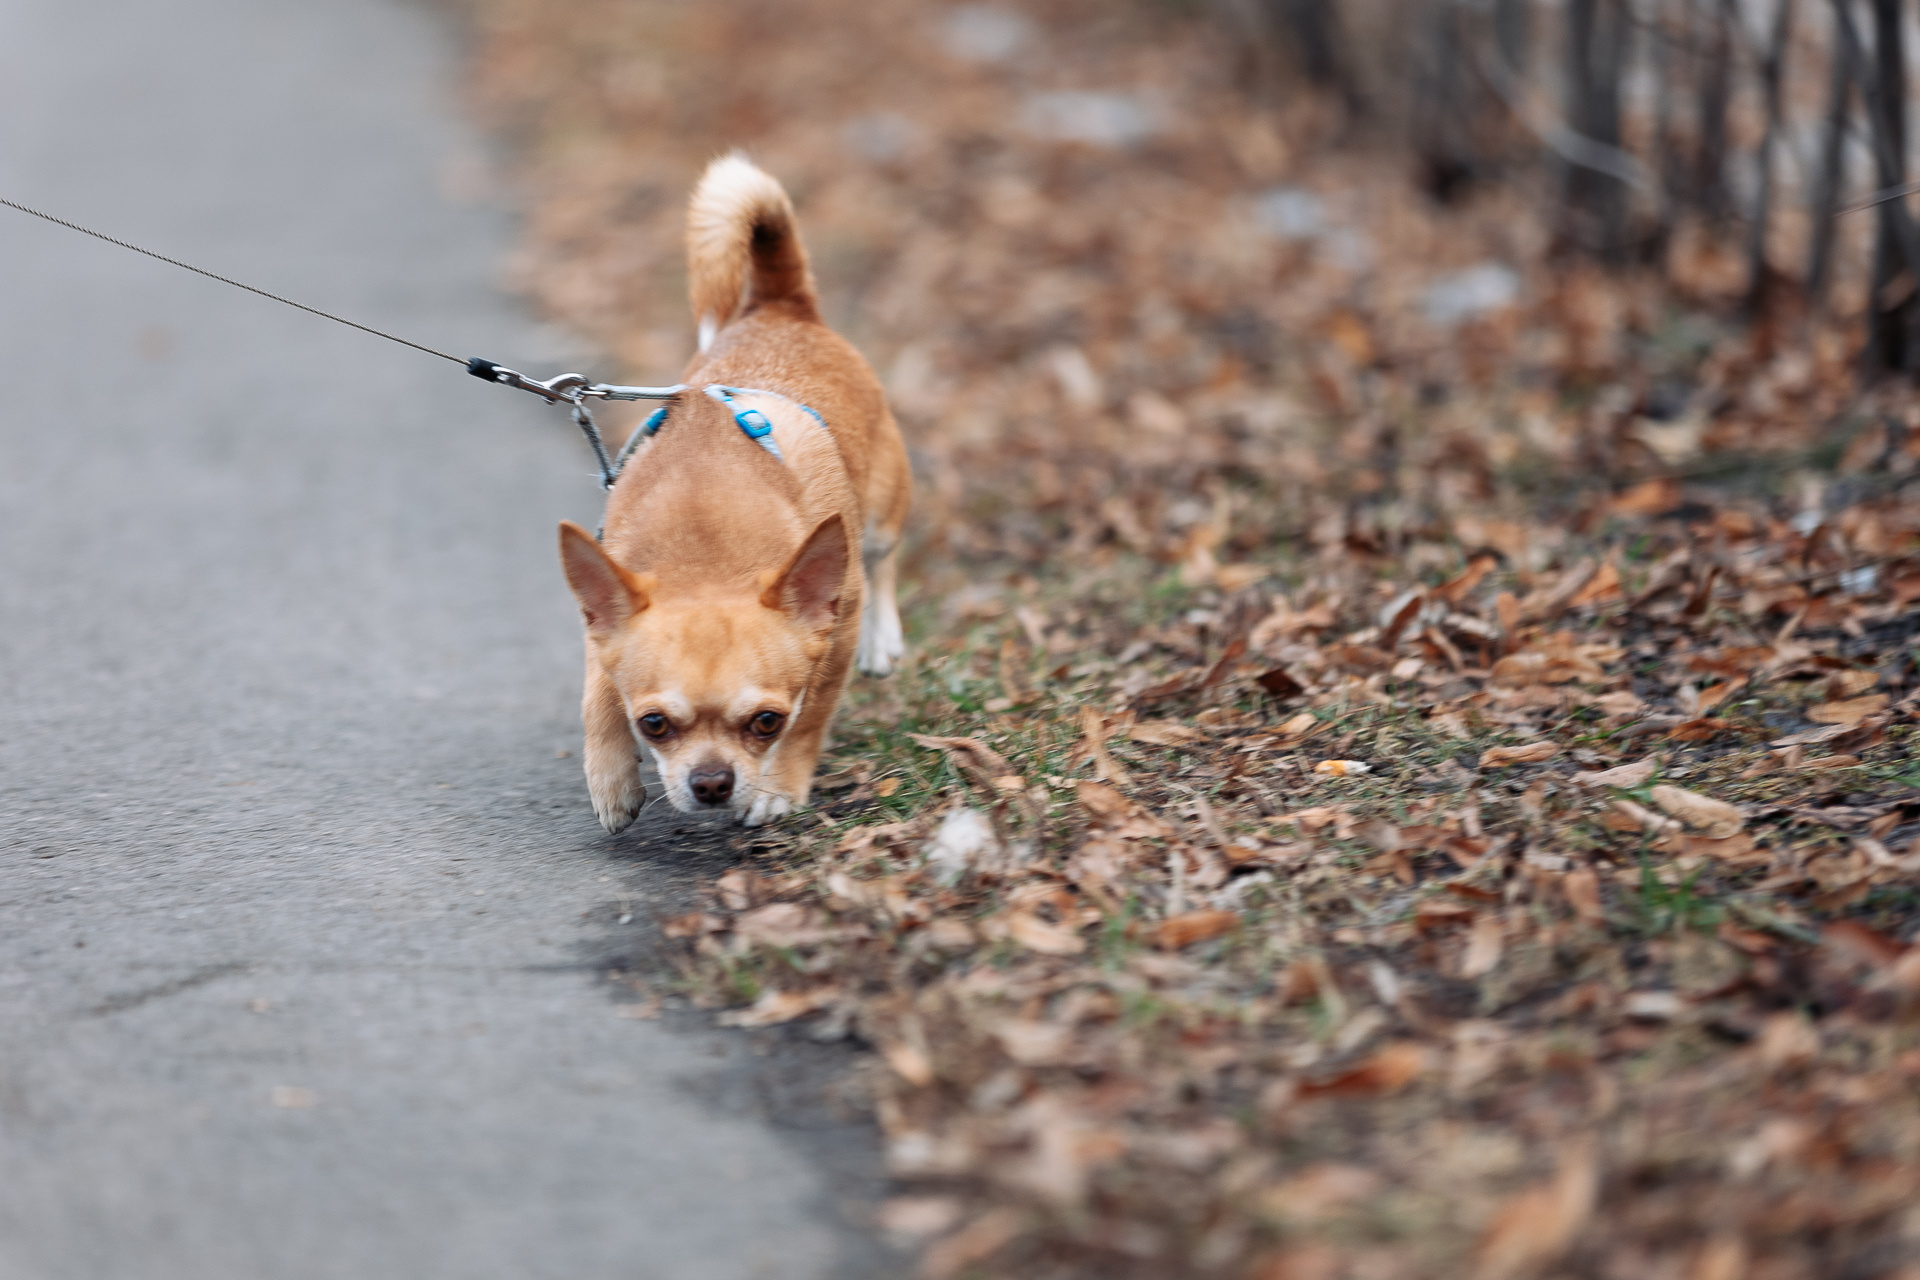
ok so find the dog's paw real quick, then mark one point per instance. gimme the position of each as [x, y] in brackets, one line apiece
[766, 807]
[616, 815]
[617, 801]
[881, 641]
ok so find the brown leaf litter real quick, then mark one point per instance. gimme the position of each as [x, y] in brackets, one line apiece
[1354, 806]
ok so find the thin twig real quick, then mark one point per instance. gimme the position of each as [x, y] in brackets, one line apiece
[1574, 148]
[1879, 198]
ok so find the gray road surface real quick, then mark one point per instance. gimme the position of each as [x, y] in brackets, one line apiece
[286, 663]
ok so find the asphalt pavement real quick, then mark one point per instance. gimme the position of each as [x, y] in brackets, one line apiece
[305, 921]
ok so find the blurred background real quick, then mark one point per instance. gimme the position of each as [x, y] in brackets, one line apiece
[1189, 277]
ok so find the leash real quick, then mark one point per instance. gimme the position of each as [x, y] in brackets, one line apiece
[570, 389]
[175, 262]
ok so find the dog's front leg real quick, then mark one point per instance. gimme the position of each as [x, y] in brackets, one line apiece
[613, 767]
[786, 777]
[787, 774]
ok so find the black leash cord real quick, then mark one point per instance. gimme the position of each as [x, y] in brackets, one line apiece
[570, 389]
[326, 315]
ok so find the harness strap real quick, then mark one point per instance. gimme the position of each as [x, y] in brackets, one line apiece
[750, 421]
[753, 422]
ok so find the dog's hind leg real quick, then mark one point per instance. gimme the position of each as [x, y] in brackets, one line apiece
[613, 766]
[882, 642]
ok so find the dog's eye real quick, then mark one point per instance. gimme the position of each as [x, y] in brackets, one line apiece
[767, 723]
[654, 725]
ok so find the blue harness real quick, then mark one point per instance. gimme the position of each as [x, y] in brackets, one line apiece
[751, 422]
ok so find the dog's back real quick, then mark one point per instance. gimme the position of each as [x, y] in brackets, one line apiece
[760, 326]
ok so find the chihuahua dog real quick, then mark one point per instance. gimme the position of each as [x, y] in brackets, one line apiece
[734, 585]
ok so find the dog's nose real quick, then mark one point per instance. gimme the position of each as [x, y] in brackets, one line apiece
[712, 783]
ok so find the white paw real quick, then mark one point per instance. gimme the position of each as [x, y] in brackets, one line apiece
[766, 807]
[872, 662]
[881, 640]
[617, 799]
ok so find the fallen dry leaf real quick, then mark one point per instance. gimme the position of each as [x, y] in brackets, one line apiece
[1387, 1071]
[1319, 1191]
[1101, 801]
[979, 762]
[1035, 934]
[1788, 1040]
[1299, 726]
[916, 1216]
[1625, 776]
[973, 1243]
[1842, 685]
[692, 925]
[1711, 817]
[1094, 726]
[1621, 702]
[1738, 849]
[1034, 1044]
[775, 1007]
[1583, 892]
[1164, 733]
[1238, 577]
[1849, 712]
[1537, 1226]
[909, 1061]
[1602, 588]
[1433, 913]
[1536, 667]
[1648, 498]
[1811, 737]
[1484, 945]
[1721, 1258]
[1318, 817]
[1530, 753]
[1708, 699]
[1549, 603]
[1456, 588]
[1190, 927]
[780, 924]
[1280, 683]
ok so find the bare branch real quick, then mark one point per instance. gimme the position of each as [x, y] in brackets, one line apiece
[1574, 148]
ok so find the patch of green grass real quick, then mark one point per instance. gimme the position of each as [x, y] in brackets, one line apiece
[1115, 944]
[741, 981]
[1664, 908]
[1143, 1008]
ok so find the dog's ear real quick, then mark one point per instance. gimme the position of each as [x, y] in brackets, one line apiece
[809, 588]
[608, 594]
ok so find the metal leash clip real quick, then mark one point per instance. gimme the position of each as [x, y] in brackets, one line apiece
[573, 390]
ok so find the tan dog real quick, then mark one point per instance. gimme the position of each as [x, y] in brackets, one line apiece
[723, 606]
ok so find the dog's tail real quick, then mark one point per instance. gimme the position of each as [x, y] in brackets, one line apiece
[742, 240]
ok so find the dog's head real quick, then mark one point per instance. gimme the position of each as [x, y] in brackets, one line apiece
[710, 679]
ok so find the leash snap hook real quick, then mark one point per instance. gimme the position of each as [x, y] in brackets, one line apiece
[573, 390]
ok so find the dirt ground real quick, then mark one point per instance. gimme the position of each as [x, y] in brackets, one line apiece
[1404, 768]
